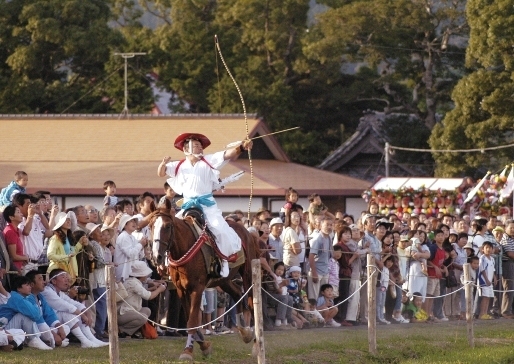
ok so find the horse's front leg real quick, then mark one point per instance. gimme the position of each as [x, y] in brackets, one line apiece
[194, 321]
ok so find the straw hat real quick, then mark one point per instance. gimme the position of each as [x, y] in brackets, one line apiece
[139, 269]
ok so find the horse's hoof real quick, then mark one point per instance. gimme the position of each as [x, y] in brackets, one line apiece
[187, 355]
[206, 348]
[255, 349]
[246, 333]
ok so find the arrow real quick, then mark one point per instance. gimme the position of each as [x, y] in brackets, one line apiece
[235, 144]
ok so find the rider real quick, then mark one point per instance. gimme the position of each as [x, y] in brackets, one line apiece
[194, 178]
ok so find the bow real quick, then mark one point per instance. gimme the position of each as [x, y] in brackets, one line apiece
[245, 116]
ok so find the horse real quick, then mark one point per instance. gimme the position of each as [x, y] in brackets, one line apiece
[174, 238]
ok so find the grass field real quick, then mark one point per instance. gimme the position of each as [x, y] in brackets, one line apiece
[408, 343]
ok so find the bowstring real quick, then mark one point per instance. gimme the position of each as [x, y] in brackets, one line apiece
[217, 45]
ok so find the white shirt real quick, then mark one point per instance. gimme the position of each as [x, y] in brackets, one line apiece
[198, 179]
[33, 243]
[144, 232]
[61, 302]
[127, 250]
[415, 266]
[290, 237]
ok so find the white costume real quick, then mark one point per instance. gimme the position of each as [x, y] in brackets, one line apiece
[195, 183]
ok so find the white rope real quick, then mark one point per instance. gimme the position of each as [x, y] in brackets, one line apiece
[188, 328]
[67, 322]
[324, 309]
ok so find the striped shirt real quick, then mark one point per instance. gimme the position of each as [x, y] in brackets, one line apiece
[507, 244]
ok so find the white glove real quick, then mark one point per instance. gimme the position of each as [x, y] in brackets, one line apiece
[46, 334]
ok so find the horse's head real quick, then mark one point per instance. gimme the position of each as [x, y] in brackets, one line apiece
[162, 234]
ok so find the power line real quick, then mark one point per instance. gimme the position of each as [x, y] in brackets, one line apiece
[451, 150]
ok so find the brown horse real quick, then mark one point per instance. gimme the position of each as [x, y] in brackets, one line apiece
[173, 237]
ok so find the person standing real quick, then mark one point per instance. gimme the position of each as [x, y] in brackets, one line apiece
[319, 255]
[507, 243]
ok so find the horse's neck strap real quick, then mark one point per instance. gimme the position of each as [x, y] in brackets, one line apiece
[183, 160]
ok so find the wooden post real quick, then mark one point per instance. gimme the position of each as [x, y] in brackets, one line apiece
[469, 304]
[112, 315]
[372, 304]
[257, 311]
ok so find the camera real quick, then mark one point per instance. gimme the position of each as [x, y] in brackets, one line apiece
[82, 290]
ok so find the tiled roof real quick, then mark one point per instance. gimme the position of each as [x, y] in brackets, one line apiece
[74, 155]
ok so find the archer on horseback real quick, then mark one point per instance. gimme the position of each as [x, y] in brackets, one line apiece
[194, 177]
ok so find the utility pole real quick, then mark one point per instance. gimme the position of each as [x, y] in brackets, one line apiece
[386, 152]
[126, 56]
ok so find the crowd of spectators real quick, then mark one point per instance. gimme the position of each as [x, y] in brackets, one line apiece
[314, 265]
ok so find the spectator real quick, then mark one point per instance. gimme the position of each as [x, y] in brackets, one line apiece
[325, 305]
[294, 240]
[171, 196]
[263, 214]
[436, 270]
[319, 255]
[274, 241]
[34, 228]
[82, 217]
[131, 314]
[507, 244]
[14, 218]
[22, 312]
[355, 283]
[416, 280]
[92, 214]
[290, 205]
[128, 248]
[100, 239]
[19, 184]
[59, 247]
[69, 310]
[486, 278]
[110, 192]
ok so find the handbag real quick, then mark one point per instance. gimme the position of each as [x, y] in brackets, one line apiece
[451, 280]
[148, 331]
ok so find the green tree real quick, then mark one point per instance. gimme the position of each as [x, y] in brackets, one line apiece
[53, 55]
[484, 110]
[410, 46]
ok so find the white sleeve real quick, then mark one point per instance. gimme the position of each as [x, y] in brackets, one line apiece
[56, 302]
[170, 168]
[125, 246]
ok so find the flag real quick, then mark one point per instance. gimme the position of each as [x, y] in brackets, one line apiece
[509, 185]
[477, 187]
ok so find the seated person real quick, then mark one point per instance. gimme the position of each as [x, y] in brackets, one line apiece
[22, 313]
[325, 305]
[130, 309]
[67, 309]
[413, 310]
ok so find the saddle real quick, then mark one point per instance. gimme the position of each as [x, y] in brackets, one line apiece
[212, 255]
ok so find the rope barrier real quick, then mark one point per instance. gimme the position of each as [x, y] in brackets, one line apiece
[188, 328]
[67, 322]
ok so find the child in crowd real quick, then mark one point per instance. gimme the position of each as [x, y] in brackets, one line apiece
[317, 208]
[110, 191]
[325, 305]
[486, 279]
[312, 314]
[295, 286]
[279, 270]
[19, 184]
[413, 310]
[474, 263]
[333, 269]
[291, 200]
[169, 195]
[383, 285]
[373, 207]
[415, 247]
